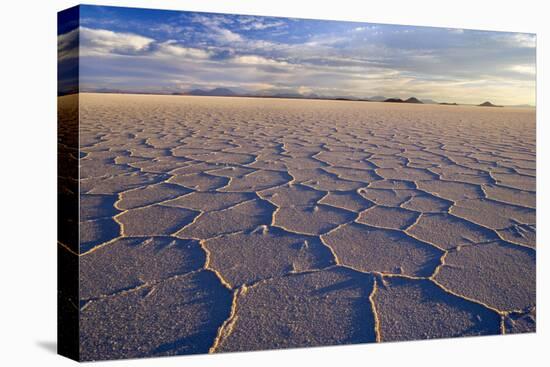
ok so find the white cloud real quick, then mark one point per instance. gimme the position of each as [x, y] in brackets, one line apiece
[102, 41]
[456, 30]
[260, 24]
[305, 90]
[168, 28]
[523, 40]
[225, 35]
[524, 69]
[67, 45]
[258, 60]
[218, 33]
[171, 48]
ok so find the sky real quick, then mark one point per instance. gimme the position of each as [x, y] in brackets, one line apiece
[161, 51]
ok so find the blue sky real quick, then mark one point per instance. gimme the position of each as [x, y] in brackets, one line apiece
[172, 51]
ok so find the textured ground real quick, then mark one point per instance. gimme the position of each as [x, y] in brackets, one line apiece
[225, 224]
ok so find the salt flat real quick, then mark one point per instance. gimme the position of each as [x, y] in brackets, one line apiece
[212, 224]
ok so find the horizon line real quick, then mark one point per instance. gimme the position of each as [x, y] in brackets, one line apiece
[282, 96]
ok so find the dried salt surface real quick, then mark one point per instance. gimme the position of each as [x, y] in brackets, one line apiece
[149, 195]
[200, 181]
[313, 220]
[223, 224]
[503, 274]
[126, 264]
[409, 174]
[158, 165]
[322, 180]
[427, 204]
[241, 217]
[493, 214]
[180, 315]
[388, 197]
[245, 258]
[524, 234]
[195, 168]
[97, 206]
[510, 196]
[96, 232]
[354, 174]
[154, 220]
[515, 181]
[118, 183]
[326, 307]
[210, 201]
[232, 171]
[257, 181]
[351, 201]
[373, 249]
[303, 163]
[345, 159]
[418, 309]
[393, 185]
[521, 322]
[292, 195]
[91, 167]
[388, 217]
[452, 190]
[448, 231]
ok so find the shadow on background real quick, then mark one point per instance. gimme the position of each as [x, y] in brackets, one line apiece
[48, 345]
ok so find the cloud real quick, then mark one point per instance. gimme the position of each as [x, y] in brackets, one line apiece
[518, 41]
[102, 42]
[216, 30]
[524, 40]
[524, 69]
[168, 29]
[171, 48]
[456, 30]
[258, 60]
[67, 45]
[225, 35]
[305, 90]
[259, 23]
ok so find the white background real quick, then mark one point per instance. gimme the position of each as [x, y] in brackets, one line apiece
[28, 182]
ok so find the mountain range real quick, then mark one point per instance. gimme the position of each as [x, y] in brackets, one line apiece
[226, 92]
[399, 100]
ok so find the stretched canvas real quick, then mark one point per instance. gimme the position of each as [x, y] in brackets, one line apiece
[237, 183]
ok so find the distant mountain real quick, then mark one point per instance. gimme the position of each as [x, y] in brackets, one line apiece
[211, 92]
[288, 95]
[107, 90]
[346, 98]
[194, 92]
[488, 104]
[449, 104]
[281, 93]
[399, 100]
[312, 96]
[377, 98]
[413, 100]
[297, 95]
